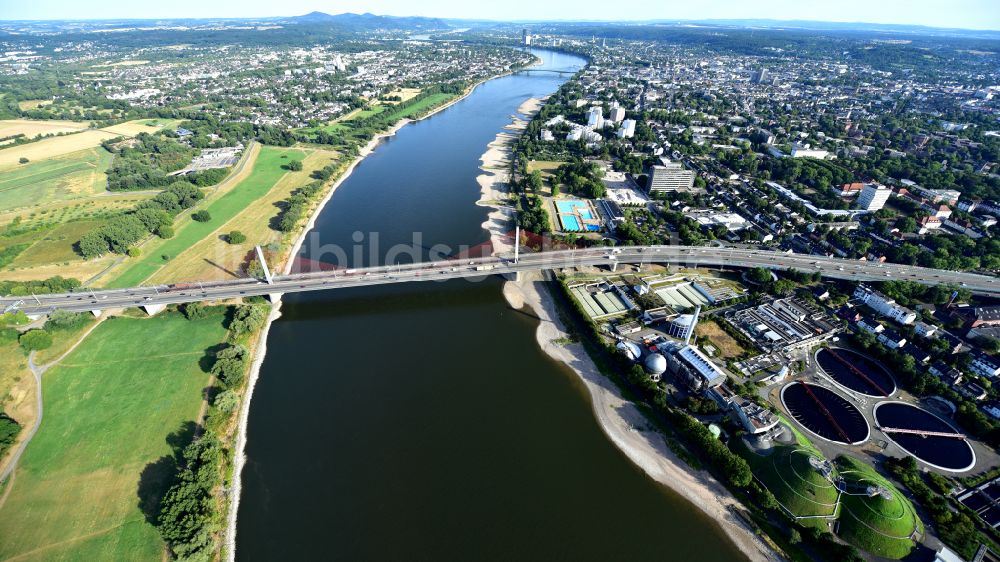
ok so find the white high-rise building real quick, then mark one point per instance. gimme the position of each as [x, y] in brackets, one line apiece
[671, 176]
[595, 117]
[617, 114]
[873, 197]
[627, 129]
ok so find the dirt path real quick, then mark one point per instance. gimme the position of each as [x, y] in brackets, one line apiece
[37, 371]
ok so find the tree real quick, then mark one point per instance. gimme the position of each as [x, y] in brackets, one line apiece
[293, 166]
[202, 216]
[165, 231]
[34, 340]
[236, 237]
[23, 160]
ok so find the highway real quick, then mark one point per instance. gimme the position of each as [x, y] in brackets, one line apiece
[82, 300]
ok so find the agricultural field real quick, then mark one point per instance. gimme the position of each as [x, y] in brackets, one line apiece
[877, 524]
[223, 207]
[51, 148]
[35, 185]
[253, 221]
[32, 128]
[115, 414]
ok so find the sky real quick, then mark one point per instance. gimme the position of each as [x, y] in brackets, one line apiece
[968, 14]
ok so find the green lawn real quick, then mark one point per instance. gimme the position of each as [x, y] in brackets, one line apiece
[109, 409]
[266, 173]
[419, 106]
[874, 524]
[53, 245]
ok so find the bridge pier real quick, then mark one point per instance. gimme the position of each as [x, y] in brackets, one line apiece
[96, 313]
[274, 297]
[34, 317]
[514, 276]
[153, 309]
[614, 266]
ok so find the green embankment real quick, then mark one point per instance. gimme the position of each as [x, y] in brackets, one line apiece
[266, 173]
[66, 177]
[800, 488]
[101, 451]
[875, 524]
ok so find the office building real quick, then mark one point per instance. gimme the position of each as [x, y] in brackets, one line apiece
[873, 197]
[617, 114]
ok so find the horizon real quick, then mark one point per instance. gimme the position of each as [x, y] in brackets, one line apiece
[963, 15]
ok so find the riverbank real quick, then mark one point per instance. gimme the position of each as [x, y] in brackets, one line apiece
[621, 420]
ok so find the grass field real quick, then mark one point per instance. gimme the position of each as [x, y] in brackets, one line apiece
[875, 524]
[31, 128]
[213, 258]
[405, 94]
[727, 346]
[27, 105]
[133, 128]
[418, 107]
[266, 173]
[110, 408]
[75, 175]
[51, 246]
[51, 148]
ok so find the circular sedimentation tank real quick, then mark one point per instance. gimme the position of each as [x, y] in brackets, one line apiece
[856, 372]
[825, 413]
[952, 454]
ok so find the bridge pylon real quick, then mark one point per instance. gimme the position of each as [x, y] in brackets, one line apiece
[263, 264]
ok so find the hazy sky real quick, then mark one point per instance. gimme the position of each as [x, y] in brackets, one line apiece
[971, 14]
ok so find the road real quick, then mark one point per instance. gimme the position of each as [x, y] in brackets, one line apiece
[93, 300]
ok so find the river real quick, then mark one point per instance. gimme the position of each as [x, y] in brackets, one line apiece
[422, 421]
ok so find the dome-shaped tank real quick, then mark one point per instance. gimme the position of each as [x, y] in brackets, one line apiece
[631, 349]
[655, 364]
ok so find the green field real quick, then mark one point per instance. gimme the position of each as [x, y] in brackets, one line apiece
[875, 524]
[266, 173]
[53, 245]
[56, 179]
[110, 408]
[418, 107]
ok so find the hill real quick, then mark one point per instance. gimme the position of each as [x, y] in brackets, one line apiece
[368, 21]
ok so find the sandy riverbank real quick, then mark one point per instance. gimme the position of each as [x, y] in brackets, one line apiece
[624, 424]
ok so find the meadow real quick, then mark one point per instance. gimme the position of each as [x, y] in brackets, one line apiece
[265, 174]
[115, 412]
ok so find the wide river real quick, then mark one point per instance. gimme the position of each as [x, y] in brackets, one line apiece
[422, 421]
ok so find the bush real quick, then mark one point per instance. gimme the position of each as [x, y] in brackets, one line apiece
[34, 340]
[236, 237]
[8, 432]
[293, 165]
[230, 365]
[133, 252]
[63, 320]
[23, 160]
[165, 231]
[202, 216]
[194, 310]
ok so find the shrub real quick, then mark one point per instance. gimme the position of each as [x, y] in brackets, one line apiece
[293, 165]
[202, 216]
[34, 340]
[23, 160]
[63, 320]
[133, 252]
[165, 231]
[236, 237]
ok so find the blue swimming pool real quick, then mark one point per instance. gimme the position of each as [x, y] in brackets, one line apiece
[593, 227]
[569, 222]
[573, 206]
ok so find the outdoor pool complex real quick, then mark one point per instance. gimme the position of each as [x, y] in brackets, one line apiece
[576, 216]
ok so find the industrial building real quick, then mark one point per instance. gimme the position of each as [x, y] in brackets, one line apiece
[784, 324]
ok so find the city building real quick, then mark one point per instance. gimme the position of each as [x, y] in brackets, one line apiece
[850, 189]
[884, 305]
[627, 129]
[525, 37]
[595, 117]
[617, 114]
[984, 366]
[804, 151]
[873, 197]
[670, 177]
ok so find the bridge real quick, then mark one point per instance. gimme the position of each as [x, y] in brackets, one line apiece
[922, 433]
[153, 298]
[548, 71]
